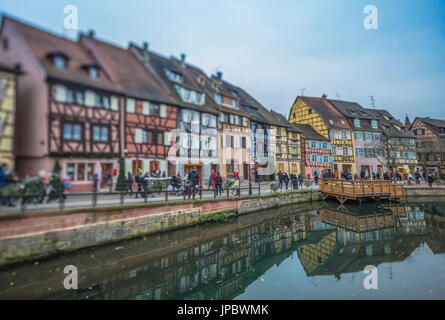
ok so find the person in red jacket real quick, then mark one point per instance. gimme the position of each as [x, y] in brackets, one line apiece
[213, 180]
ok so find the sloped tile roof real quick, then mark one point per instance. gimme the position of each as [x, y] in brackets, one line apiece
[309, 133]
[43, 43]
[327, 112]
[159, 64]
[390, 122]
[128, 72]
[224, 88]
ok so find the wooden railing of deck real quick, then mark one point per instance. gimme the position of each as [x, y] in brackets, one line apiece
[354, 189]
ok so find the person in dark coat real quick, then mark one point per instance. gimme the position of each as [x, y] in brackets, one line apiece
[130, 179]
[280, 180]
[430, 180]
[193, 181]
[300, 180]
[286, 180]
[218, 184]
[140, 181]
[417, 176]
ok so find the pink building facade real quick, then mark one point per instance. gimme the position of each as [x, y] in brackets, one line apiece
[369, 153]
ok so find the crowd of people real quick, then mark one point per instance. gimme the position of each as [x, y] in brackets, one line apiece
[39, 189]
[34, 189]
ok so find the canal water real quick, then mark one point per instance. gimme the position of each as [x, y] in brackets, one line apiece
[310, 251]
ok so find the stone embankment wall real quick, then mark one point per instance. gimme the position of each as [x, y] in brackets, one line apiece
[435, 191]
[36, 235]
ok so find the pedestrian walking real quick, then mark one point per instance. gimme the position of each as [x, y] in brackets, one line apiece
[130, 180]
[280, 180]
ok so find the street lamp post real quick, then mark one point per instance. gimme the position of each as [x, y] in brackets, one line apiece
[250, 180]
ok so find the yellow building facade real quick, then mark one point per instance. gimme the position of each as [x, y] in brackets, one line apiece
[7, 116]
[330, 123]
[278, 147]
[285, 144]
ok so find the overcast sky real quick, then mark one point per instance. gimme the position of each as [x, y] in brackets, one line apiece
[275, 48]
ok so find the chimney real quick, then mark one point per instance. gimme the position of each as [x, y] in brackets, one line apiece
[219, 75]
[146, 46]
[183, 58]
[407, 122]
[324, 96]
[91, 33]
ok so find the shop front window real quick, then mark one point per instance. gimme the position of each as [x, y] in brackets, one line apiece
[70, 169]
[80, 172]
[90, 171]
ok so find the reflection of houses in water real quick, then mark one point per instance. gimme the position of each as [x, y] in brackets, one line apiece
[363, 239]
[328, 242]
[435, 220]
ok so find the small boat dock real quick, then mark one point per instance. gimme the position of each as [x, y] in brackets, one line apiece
[345, 190]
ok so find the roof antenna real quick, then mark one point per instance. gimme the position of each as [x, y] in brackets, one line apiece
[337, 95]
[302, 90]
[372, 100]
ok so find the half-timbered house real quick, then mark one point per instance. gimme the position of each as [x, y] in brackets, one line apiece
[430, 141]
[8, 101]
[233, 124]
[262, 158]
[315, 151]
[332, 124]
[69, 106]
[369, 151]
[150, 113]
[398, 143]
[286, 142]
[196, 144]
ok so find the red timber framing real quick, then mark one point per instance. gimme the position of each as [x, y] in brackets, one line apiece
[61, 113]
[156, 128]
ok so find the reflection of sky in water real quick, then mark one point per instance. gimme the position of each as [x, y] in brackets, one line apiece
[420, 276]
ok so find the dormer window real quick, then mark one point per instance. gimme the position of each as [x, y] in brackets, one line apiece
[215, 84]
[93, 72]
[331, 122]
[59, 62]
[250, 110]
[374, 124]
[357, 123]
[190, 96]
[201, 80]
[59, 59]
[174, 76]
[218, 98]
[343, 122]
